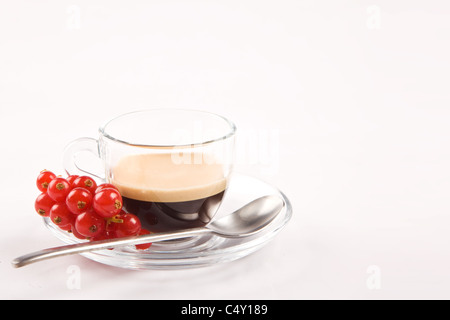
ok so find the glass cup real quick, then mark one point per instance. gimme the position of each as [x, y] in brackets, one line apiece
[172, 166]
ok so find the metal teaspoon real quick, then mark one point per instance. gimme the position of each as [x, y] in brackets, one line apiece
[248, 220]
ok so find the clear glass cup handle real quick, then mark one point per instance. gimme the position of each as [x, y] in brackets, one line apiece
[76, 147]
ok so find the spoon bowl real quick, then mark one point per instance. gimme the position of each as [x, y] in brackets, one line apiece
[248, 220]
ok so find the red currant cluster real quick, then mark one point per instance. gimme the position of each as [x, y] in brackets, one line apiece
[77, 205]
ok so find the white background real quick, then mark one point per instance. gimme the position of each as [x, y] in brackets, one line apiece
[357, 93]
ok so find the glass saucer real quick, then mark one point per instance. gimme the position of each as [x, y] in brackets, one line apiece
[201, 250]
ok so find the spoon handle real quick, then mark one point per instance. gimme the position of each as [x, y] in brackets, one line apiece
[104, 244]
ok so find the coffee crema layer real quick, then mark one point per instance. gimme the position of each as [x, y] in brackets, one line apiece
[162, 177]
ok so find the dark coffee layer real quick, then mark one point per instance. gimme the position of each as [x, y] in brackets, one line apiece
[170, 216]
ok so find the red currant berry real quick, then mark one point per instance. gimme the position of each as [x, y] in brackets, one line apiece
[60, 215]
[131, 226]
[106, 186]
[89, 224]
[79, 200]
[43, 204]
[111, 228]
[67, 227]
[71, 179]
[143, 246]
[103, 236]
[76, 233]
[111, 224]
[85, 182]
[58, 189]
[107, 203]
[44, 179]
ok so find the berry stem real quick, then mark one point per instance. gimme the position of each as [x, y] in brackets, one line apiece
[115, 219]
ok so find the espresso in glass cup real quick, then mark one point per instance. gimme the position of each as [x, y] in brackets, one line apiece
[171, 166]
